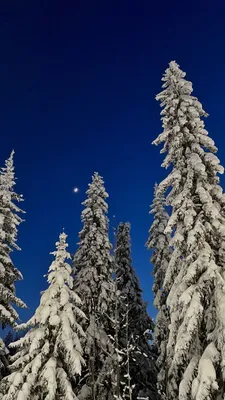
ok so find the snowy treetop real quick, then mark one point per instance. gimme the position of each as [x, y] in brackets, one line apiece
[189, 149]
[95, 204]
[9, 218]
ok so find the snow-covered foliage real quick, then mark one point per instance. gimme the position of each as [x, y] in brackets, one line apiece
[135, 323]
[128, 284]
[49, 356]
[4, 359]
[195, 274]
[9, 222]
[94, 284]
[159, 242]
[9, 338]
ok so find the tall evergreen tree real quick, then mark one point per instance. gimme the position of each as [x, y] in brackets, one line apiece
[159, 242]
[136, 325]
[49, 356]
[195, 275]
[9, 222]
[94, 284]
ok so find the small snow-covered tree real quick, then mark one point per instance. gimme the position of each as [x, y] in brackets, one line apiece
[135, 323]
[159, 242]
[9, 222]
[50, 355]
[195, 275]
[93, 269]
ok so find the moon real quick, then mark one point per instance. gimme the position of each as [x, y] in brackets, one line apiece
[76, 190]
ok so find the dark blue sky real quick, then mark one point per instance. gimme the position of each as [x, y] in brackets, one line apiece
[78, 82]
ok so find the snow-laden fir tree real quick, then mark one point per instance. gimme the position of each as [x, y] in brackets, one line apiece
[159, 242]
[9, 222]
[49, 357]
[195, 275]
[94, 284]
[135, 323]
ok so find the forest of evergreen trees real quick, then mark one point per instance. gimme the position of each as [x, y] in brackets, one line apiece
[91, 336]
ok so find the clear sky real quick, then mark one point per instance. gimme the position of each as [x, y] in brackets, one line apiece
[78, 82]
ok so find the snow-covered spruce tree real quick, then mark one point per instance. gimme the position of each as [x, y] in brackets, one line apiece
[135, 323]
[159, 242]
[49, 356]
[195, 275]
[9, 222]
[93, 269]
